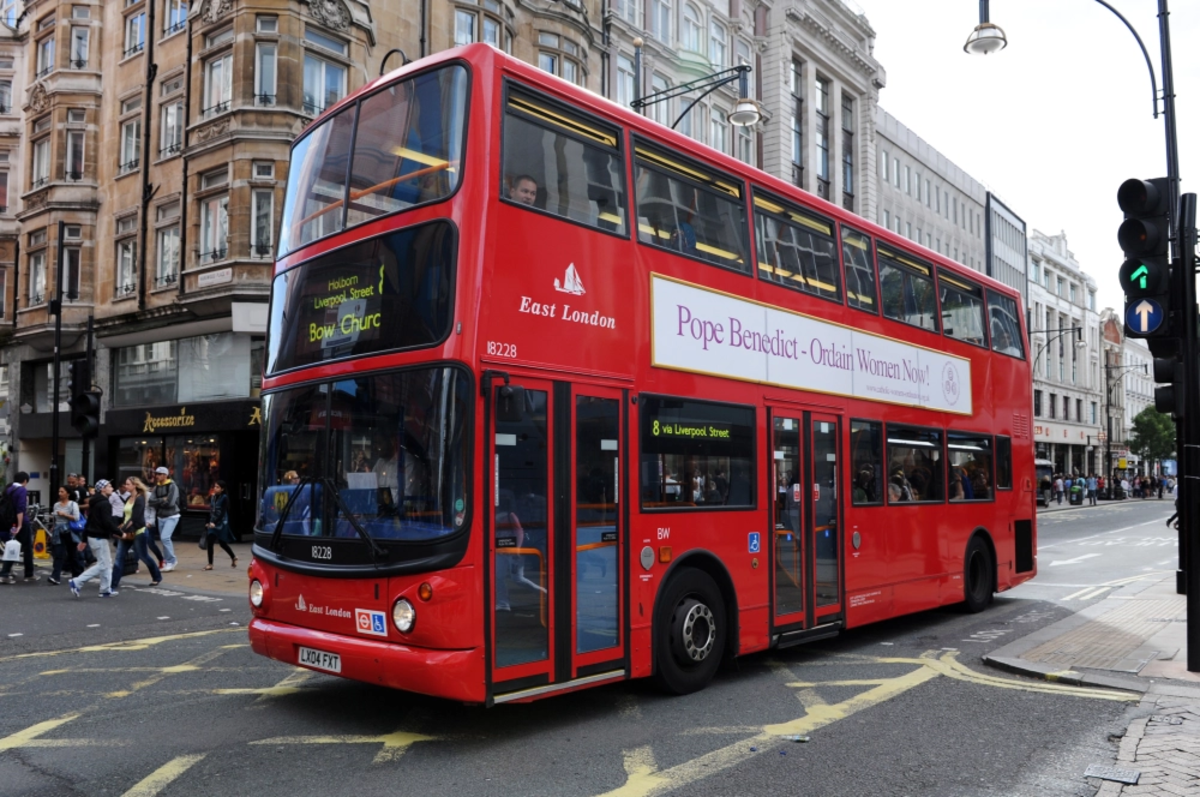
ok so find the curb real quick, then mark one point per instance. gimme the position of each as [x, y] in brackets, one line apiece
[1043, 672]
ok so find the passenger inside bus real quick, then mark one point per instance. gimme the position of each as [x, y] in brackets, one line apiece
[523, 189]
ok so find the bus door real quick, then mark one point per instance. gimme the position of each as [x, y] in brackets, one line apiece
[554, 551]
[804, 517]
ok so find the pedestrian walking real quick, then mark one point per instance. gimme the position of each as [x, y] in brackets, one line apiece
[152, 533]
[1162, 485]
[66, 542]
[1058, 489]
[165, 500]
[1093, 487]
[133, 533]
[20, 529]
[219, 532]
[100, 528]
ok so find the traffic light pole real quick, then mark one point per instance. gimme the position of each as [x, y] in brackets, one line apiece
[87, 439]
[56, 308]
[1189, 426]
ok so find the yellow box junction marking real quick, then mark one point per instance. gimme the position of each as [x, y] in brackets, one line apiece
[394, 744]
[162, 777]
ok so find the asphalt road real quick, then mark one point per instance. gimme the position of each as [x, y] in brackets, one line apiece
[154, 693]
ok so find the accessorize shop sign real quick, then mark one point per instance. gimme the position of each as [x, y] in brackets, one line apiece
[702, 331]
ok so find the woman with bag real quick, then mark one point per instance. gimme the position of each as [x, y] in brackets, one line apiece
[66, 537]
[219, 532]
[133, 533]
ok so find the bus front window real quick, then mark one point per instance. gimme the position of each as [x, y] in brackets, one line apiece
[403, 144]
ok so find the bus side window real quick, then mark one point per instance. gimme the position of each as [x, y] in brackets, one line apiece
[796, 249]
[561, 161]
[970, 458]
[915, 464]
[860, 271]
[1006, 330]
[866, 457]
[686, 208]
[1003, 463]
[962, 309]
[907, 289]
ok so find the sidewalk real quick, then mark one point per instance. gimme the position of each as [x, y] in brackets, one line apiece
[190, 574]
[1135, 639]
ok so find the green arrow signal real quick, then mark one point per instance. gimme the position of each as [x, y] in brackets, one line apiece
[1139, 276]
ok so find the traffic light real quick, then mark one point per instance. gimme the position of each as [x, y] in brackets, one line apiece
[1168, 396]
[80, 378]
[1146, 272]
[85, 412]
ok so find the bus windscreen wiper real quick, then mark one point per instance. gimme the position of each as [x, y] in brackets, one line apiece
[376, 551]
[287, 509]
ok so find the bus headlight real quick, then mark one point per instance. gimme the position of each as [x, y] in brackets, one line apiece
[403, 615]
[256, 593]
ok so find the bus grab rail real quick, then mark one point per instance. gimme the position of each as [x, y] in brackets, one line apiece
[355, 195]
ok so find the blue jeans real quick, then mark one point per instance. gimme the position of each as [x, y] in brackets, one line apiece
[166, 527]
[139, 544]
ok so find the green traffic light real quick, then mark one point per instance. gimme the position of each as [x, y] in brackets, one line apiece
[1139, 276]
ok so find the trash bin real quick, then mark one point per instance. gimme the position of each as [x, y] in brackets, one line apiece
[1076, 494]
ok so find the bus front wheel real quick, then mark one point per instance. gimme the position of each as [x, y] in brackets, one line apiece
[689, 633]
[979, 575]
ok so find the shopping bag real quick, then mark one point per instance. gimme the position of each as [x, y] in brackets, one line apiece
[204, 542]
[12, 551]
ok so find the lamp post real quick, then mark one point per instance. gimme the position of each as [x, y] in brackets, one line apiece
[1110, 378]
[1080, 343]
[745, 112]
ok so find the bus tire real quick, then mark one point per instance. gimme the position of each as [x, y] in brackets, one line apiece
[690, 633]
[979, 576]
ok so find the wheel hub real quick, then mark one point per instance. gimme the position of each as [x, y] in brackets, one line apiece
[699, 632]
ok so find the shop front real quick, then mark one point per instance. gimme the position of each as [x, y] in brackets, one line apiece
[198, 444]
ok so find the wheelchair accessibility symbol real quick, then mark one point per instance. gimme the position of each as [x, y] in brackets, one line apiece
[755, 542]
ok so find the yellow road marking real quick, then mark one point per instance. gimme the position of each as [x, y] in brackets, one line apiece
[641, 772]
[394, 744]
[162, 777]
[130, 645]
[288, 686]
[22, 738]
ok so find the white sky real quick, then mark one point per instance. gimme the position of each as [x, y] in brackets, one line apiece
[1057, 120]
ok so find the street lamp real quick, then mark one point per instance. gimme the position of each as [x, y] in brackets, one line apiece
[987, 38]
[745, 112]
[1080, 343]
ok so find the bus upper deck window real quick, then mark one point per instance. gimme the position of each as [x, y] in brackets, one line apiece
[1006, 329]
[860, 271]
[796, 249]
[561, 161]
[906, 287]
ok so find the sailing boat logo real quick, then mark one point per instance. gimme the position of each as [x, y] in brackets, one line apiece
[571, 282]
[300, 607]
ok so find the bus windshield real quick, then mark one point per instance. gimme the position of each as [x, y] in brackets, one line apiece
[386, 451]
[397, 147]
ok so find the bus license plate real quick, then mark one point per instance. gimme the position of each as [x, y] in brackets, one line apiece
[330, 662]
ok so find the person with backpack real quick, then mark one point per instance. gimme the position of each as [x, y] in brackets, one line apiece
[13, 505]
[165, 502]
[99, 530]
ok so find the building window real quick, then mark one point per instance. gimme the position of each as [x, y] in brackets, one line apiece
[171, 130]
[796, 83]
[72, 257]
[326, 42]
[718, 50]
[741, 53]
[690, 29]
[218, 85]
[264, 73]
[745, 145]
[659, 111]
[564, 62]
[131, 146]
[464, 27]
[6, 96]
[625, 84]
[324, 84]
[1071, 288]
[822, 134]
[262, 214]
[79, 47]
[135, 33]
[204, 368]
[214, 229]
[45, 56]
[1095, 417]
[8, 12]
[126, 282]
[37, 277]
[848, 152]
[74, 165]
[4, 192]
[264, 23]
[883, 165]
[175, 18]
[628, 11]
[719, 129]
[1037, 403]
[660, 20]
[166, 266]
[41, 162]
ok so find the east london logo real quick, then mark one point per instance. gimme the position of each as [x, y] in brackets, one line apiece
[572, 284]
[301, 606]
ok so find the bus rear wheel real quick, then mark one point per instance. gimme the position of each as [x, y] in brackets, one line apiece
[690, 633]
[979, 574]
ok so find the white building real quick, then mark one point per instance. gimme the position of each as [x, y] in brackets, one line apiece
[1068, 388]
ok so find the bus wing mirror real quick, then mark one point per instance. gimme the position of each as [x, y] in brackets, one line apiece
[509, 401]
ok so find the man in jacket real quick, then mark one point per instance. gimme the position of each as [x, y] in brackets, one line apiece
[21, 530]
[164, 500]
[99, 530]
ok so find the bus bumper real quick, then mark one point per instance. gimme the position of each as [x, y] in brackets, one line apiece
[452, 674]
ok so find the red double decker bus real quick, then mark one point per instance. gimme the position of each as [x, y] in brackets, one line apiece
[555, 397]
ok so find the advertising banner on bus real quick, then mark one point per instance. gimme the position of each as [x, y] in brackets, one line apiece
[713, 333]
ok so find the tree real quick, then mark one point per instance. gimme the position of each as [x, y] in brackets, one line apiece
[1153, 435]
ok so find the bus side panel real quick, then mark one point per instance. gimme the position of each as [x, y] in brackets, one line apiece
[870, 606]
